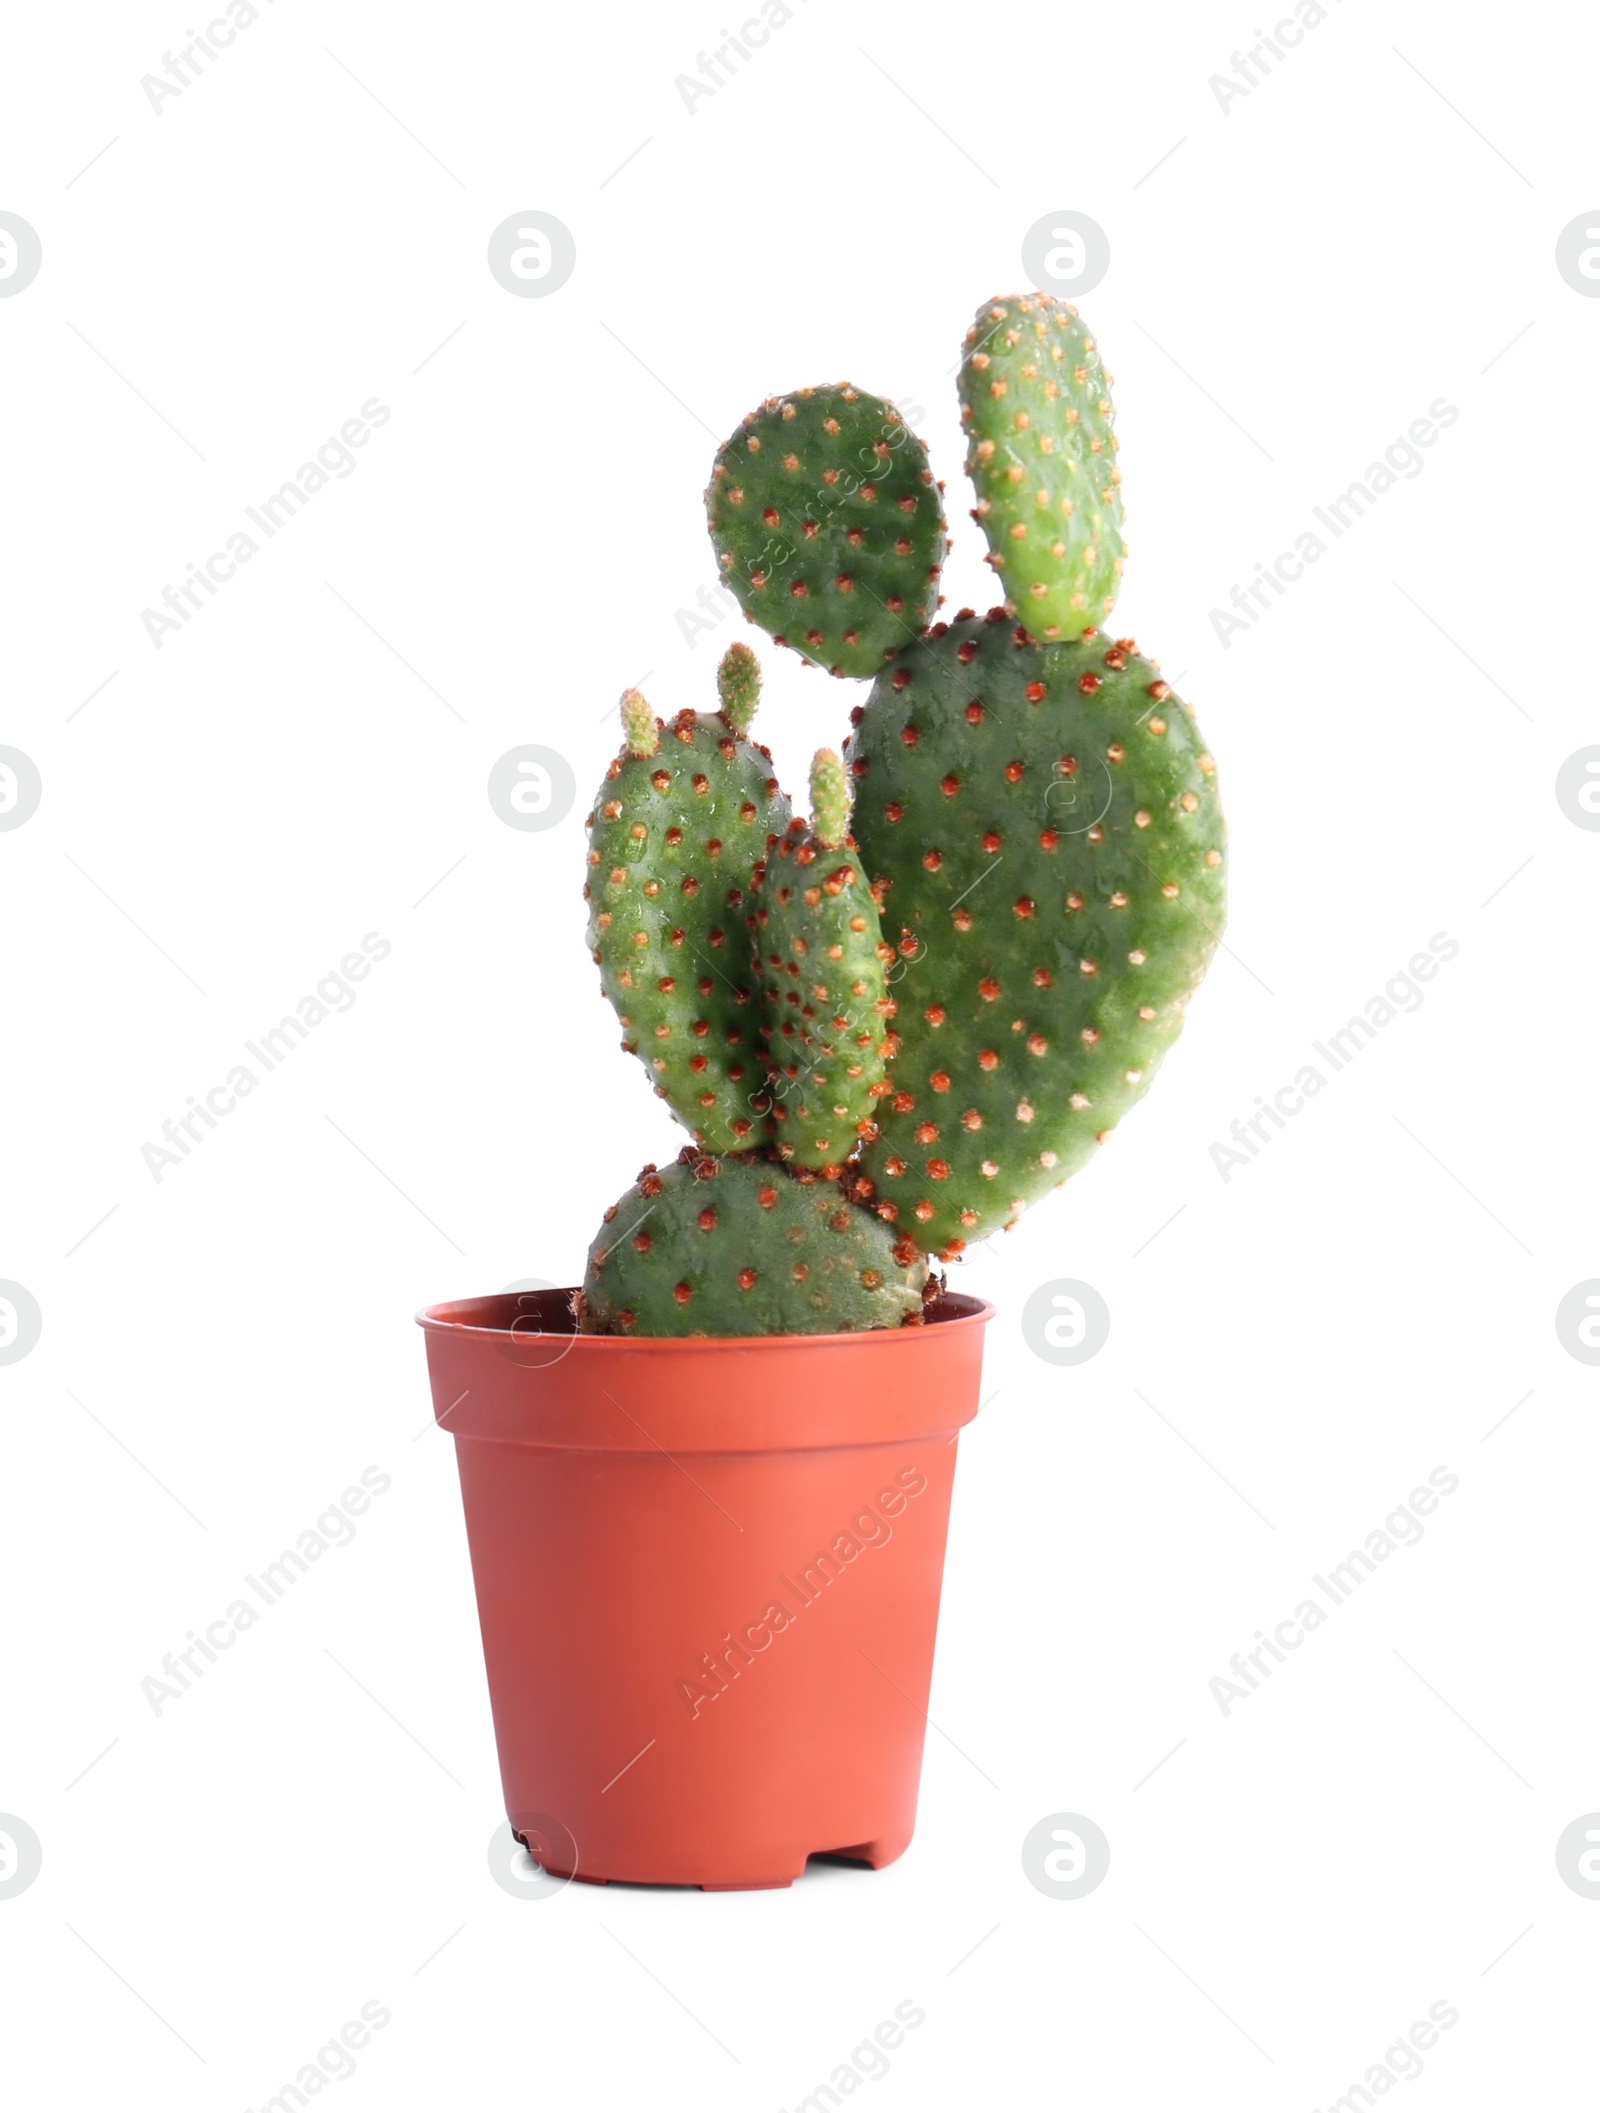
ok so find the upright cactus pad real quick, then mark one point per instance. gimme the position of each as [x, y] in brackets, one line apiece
[1042, 827]
[738, 1246]
[1036, 407]
[828, 526]
[678, 831]
[820, 956]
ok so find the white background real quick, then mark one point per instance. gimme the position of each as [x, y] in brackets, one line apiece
[1371, 1297]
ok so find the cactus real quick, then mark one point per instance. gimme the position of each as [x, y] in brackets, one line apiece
[677, 833]
[737, 1245]
[1036, 406]
[828, 526]
[1035, 861]
[1042, 824]
[820, 955]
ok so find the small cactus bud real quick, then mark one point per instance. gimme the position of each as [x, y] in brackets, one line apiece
[830, 800]
[639, 725]
[739, 686]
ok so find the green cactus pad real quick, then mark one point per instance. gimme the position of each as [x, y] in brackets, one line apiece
[828, 526]
[1036, 408]
[675, 837]
[739, 1246]
[1041, 826]
[820, 955]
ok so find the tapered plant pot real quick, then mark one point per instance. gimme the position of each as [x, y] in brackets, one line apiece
[708, 1579]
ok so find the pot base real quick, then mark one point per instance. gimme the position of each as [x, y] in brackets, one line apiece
[873, 1855]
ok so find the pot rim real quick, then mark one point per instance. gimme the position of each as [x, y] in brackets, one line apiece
[962, 1310]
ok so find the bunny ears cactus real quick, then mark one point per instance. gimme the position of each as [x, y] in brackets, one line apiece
[890, 1031]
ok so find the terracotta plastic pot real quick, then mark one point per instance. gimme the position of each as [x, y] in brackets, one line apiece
[708, 1580]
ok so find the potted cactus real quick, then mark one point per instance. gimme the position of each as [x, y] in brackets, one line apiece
[707, 1493]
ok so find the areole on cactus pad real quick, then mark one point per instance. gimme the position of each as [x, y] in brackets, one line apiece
[889, 1033]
